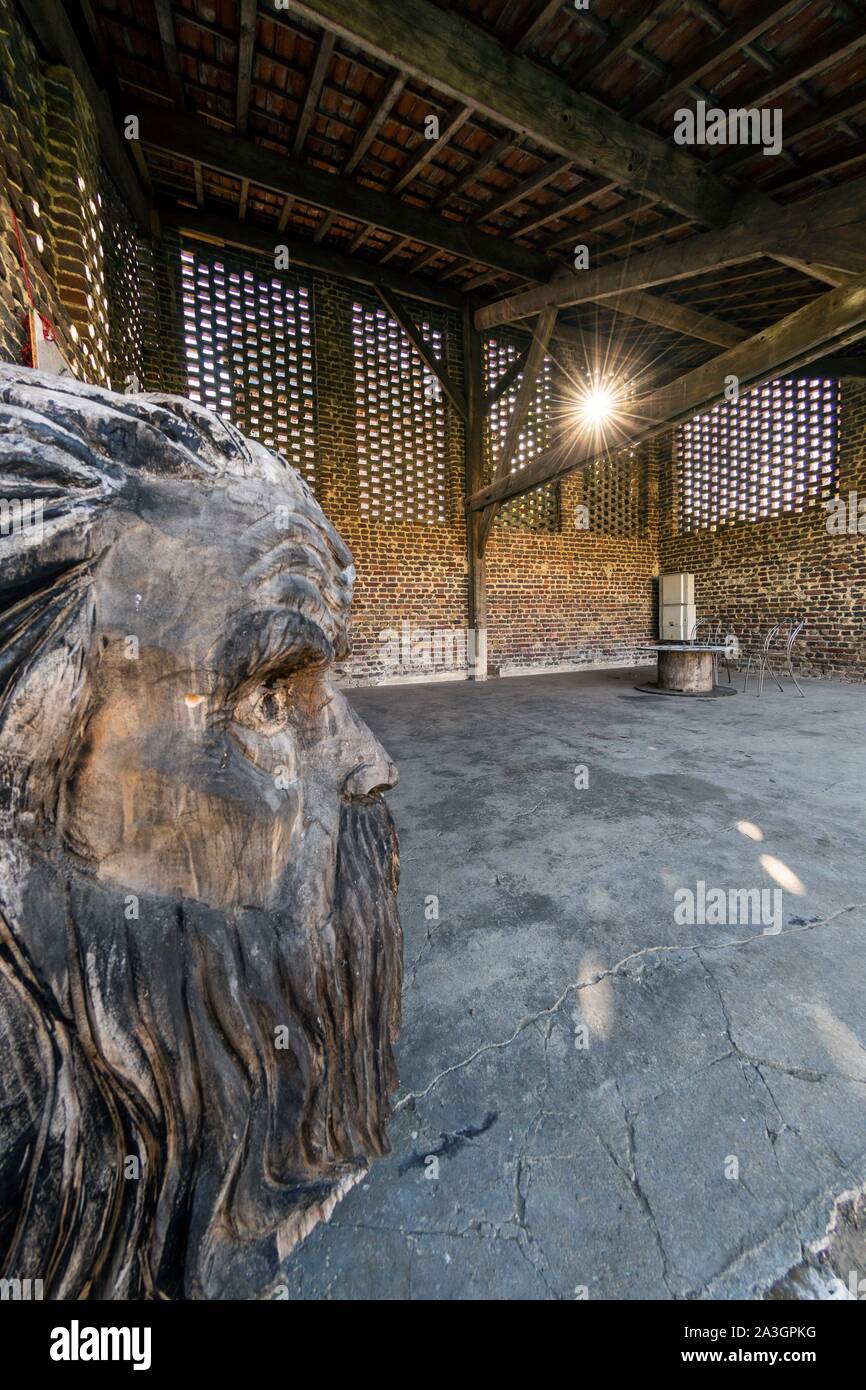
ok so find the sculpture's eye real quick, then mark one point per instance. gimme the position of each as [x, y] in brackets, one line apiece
[265, 709]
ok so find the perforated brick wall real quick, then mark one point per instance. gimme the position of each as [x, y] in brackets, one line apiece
[571, 570]
[753, 573]
[47, 144]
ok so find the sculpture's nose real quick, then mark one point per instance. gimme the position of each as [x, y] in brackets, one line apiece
[376, 773]
[369, 768]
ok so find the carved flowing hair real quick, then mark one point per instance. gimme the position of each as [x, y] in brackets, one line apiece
[152, 1142]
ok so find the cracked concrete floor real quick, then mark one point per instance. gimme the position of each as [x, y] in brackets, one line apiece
[564, 1170]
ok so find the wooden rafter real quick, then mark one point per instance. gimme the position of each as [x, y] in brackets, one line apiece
[246, 49]
[834, 48]
[563, 207]
[476, 167]
[446, 50]
[428, 149]
[536, 27]
[844, 251]
[436, 368]
[763, 229]
[682, 319]
[372, 127]
[833, 161]
[306, 253]
[848, 103]
[620, 41]
[602, 222]
[825, 273]
[168, 39]
[324, 227]
[314, 89]
[190, 139]
[759, 18]
[835, 319]
[524, 189]
[375, 120]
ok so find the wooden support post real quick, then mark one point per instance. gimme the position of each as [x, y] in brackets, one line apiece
[541, 335]
[474, 452]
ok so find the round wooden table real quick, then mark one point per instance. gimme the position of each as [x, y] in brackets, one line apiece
[686, 668]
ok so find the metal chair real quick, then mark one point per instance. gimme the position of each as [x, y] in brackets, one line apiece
[713, 636]
[789, 633]
[783, 632]
[762, 656]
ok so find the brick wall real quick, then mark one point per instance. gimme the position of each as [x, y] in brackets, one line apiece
[563, 597]
[164, 364]
[412, 573]
[52, 180]
[35, 105]
[74, 208]
[566, 594]
[585, 593]
[752, 574]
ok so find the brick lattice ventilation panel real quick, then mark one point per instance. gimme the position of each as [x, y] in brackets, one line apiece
[613, 494]
[95, 339]
[123, 279]
[249, 352]
[770, 454]
[538, 509]
[401, 421]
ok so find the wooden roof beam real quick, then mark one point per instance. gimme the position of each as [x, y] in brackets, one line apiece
[524, 189]
[844, 251]
[760, 17]
[246, 48]
[324, 53]
[834, 47]
[563, 207]
[376, 119]
[835, 319]
[679, 317]
[600, 223]
[168, 39]
[428, 149]
[851, 102]
[619, 42]
[536, 27]
[763, 229]
[189, 138]
[261, 240]
[447, 51]
[478, 166]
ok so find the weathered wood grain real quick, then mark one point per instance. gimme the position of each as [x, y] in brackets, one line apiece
[200, 952]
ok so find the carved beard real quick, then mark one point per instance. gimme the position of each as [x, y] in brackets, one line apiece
[240, 1063]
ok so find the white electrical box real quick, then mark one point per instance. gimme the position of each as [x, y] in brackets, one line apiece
[676, 588]
[677, 621]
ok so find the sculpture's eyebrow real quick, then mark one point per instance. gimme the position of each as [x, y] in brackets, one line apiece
[287, 556]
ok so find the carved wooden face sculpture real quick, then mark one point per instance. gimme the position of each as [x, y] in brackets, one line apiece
[200, 953]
